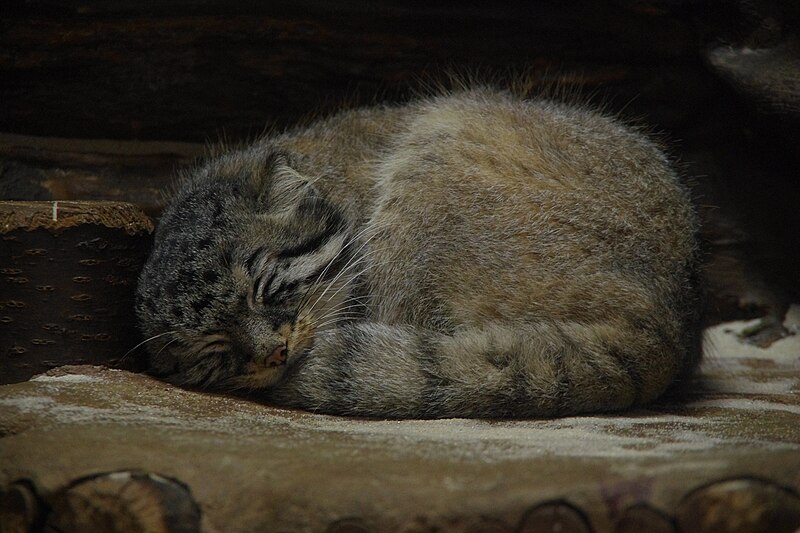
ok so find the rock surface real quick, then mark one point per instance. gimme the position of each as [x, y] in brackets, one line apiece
[252, 467]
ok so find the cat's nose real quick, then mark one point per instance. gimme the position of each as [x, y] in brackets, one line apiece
[278, 357]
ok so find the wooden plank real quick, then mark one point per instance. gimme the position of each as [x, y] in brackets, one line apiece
[187, 72]
[68, 271]
[47, 168]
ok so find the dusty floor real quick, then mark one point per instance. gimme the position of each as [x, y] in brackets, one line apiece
[251, 467]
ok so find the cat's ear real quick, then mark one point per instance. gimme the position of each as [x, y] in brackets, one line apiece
[280, 187]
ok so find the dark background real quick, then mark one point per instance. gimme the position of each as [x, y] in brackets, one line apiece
[104, 99]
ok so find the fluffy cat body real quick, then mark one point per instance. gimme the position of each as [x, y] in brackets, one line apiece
[473, 254]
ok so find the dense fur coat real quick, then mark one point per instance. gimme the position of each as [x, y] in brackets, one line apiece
[475, 254]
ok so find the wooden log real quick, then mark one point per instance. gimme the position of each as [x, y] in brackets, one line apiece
[186, 71]
[731, 506]
[642, 517]
[51, 168]
[20, 509]
[348, 525]
[69, 271]
[124, 502]
[486, 525]
[770, 77]
[553, 517]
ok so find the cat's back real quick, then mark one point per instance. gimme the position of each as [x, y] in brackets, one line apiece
[504, 141]
[531, 203]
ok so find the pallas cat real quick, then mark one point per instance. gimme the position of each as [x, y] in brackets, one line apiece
[473, 254]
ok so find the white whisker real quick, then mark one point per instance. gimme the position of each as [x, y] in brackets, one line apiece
[356, 256]
[165, 345]
[343, 285]
[348, 311]
[350, 264]
[333, 321]
[154, 337]
[349, 243]
[340, 309]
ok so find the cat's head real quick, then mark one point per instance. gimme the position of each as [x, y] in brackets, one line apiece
[235, 287]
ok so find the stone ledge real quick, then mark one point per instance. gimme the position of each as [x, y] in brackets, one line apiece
[251, 467]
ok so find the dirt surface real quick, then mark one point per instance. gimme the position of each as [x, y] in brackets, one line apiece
[254, 467]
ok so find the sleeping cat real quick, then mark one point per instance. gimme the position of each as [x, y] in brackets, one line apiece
[474, 254]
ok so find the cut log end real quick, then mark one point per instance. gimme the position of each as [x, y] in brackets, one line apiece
[735, 505]
[125, 502]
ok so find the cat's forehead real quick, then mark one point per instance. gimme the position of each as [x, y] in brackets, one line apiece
[209, 202]
[190, 298]
[201, 219]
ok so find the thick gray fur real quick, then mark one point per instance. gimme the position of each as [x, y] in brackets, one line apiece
[474, 254]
